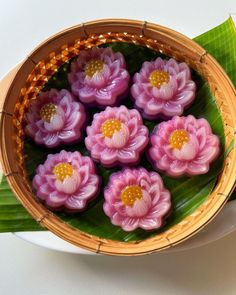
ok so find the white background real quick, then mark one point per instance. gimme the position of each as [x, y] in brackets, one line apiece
[28, 269]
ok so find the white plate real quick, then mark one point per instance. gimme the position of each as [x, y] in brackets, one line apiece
[223, 224]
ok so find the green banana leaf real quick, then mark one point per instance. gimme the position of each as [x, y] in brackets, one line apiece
[187, 193]
[220, 42]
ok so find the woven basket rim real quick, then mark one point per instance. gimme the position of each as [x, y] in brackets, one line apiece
[189, 225]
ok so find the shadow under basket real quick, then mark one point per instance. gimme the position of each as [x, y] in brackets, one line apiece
[46, 59]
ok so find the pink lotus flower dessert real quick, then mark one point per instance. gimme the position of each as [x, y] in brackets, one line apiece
[99, 76]
[163, 87]
[184, 145]
[66, 180]
[117, 136]
[136, 198]
[55, 118]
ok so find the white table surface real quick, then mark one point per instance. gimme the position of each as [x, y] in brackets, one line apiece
[28, 269]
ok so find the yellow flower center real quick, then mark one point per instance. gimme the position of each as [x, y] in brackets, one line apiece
[62, 171]
[110, 126]
[93, 66]
[178, 138]
[130, 194]
[48, 111]
[158, 78]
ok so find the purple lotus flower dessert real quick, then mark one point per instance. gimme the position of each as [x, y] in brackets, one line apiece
[66, 180]
[55, 118]
[163, 87]
[116, 136]
[136, 198]
[99, 76]
[184, 145]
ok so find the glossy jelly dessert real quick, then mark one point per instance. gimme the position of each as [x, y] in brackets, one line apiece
[136, 198]
[99, 76]
[55, 118]
[183, 145]
[163, 88]
[117, 136]
[66, 181]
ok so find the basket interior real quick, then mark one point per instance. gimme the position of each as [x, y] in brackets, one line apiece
[185, 200]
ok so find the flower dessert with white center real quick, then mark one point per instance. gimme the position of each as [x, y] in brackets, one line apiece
[163, 87]
[66, 180]
[136, 198]
[184, 145]
[99, 76]
[55, 118]
[117, 136]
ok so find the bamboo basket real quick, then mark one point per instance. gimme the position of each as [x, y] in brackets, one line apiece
[44, 61]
